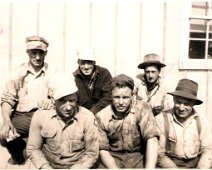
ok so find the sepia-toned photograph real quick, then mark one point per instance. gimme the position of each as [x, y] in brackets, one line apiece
[105, 84]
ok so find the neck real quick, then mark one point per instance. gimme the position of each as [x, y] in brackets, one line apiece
[36, 69]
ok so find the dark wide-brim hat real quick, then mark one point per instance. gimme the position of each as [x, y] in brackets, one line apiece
[151, 60]
[187, 89]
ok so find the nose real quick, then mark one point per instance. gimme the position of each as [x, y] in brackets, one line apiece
[86, 65]
[181, 106]
[121, 101]
[37, 57]
[68, 105]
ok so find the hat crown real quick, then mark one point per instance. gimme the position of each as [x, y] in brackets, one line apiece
[151, 58]
[188, 86]
[86, 54]
[36, 42]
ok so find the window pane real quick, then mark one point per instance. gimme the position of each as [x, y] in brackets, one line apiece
[198, 28]
[201, 8]
[210, 30]
[209, 56]
[197, 49]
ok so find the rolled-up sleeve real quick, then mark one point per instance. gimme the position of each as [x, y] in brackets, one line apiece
[35, 142]
[147, 122]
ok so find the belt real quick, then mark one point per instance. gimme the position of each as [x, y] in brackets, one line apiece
[126, 151]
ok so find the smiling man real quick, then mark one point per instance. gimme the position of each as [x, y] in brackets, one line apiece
[149, 87]
[185, 135]
[92, 81]
[67, 136]
[124, 128]
[25, 93]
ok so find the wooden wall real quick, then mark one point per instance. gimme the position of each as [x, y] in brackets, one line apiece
[121, 31]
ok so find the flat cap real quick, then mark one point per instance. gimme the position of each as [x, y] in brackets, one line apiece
[36, 42]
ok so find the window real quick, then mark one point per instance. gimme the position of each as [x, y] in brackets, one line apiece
[198, 50]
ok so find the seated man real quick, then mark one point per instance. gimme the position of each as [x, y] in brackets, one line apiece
[65, 137]
[123, 127]
[185, 135]
[25, 93]
[92, 81]
[149, 87]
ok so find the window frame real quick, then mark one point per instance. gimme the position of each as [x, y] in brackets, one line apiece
[185, 62]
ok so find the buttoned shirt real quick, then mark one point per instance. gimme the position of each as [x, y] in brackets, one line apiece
[157, 97]
[126, 134]
[26, 88]
[185, 140]
[72, 145]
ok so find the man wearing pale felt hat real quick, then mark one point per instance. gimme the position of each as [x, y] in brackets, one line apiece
[93, 81]
[149, 87]
[25, 92]
[66, 136]
[185, 135]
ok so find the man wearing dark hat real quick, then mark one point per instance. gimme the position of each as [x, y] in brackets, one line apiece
[92, 81]
[185, 135]
[25, 93]
[124, 128]
[149, 87]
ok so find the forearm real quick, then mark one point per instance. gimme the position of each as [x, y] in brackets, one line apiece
[205, 161]
[6, 111]
[107, 159]
[151, 153]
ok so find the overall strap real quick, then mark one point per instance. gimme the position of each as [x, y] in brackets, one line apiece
[166, 128]
[198, 124]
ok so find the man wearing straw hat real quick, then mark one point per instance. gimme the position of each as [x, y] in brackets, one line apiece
[185, 135]
[149, 87]
[92, 81]
[67, 136]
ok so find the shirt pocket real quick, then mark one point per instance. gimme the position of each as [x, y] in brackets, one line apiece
[76, 142]
[50, 136]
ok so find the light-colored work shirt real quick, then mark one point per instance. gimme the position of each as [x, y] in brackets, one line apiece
[126, 134]
[157, 97]
[187, 141]
[27, 88]
[71, 145]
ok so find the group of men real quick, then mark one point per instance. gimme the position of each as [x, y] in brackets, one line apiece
[90, 119]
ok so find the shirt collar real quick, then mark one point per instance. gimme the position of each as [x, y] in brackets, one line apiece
[113, 115]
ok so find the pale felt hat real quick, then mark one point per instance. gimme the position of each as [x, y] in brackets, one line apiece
[87, 53]
[151, 60]
[61, 85]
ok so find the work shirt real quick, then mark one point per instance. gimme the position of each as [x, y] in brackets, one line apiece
[27, 88]
[126, 134]
[72, 145]
[157, 98]
[97, 97]
[185, 140]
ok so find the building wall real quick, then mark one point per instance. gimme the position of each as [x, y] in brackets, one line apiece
[121, 31]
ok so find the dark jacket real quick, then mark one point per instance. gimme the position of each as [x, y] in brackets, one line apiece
[101, 95]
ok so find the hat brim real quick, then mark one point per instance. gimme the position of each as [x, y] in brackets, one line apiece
[144, 65]
[186, 95]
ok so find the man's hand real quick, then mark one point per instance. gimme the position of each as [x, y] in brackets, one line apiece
[46, 104]
[8, 131]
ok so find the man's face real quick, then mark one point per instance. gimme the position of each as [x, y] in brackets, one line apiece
[122, 99]
[66, 106]
[86, 66]
[36, 57]
[151, 73]
[183, 107]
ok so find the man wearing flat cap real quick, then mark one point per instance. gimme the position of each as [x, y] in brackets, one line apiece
[92, 81]
[149, 87]
[25, 93]
[128, 130]
[65, 137]
[185, 135]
